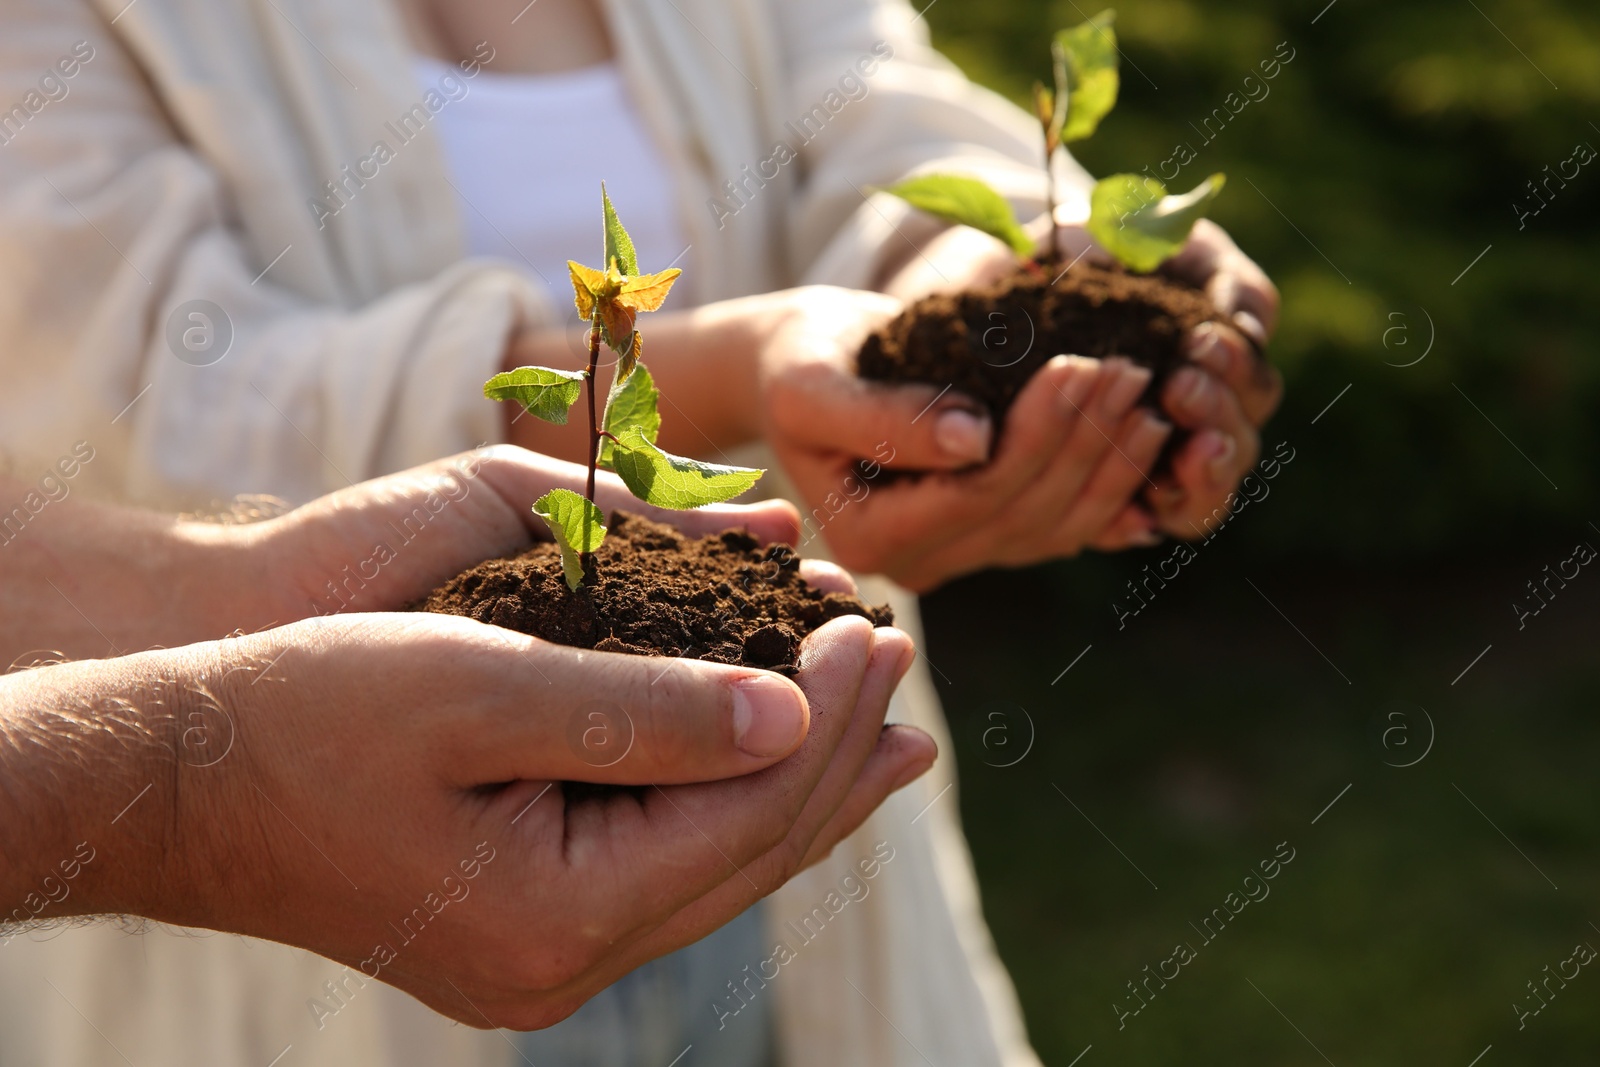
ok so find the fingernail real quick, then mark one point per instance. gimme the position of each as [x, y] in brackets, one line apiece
[1166, 497]
[907, 653]
[1191, 386]
[1079, 383]
[1207, 348]
[1151, 434]
[769, 716]
[909, 775]
[1127, 388]
[962, 435]
[1144, 539]
[1221, 468]
[1251, 327]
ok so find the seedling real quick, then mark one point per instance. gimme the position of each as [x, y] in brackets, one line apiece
[623, 439]
[1131, 215]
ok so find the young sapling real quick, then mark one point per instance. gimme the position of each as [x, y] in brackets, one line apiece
[1130, 215]
[622, 439]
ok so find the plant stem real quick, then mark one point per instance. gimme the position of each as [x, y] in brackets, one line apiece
[594, 428]
[1054, 255]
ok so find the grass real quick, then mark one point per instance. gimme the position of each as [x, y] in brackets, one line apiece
[1209, 730]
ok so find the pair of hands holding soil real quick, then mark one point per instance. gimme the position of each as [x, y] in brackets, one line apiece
[1072, 468]
[314, 782]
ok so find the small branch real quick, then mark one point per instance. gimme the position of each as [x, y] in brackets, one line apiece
[1054, 255]
[594, 429]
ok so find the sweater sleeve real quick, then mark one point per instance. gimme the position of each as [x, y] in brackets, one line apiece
[889, 106]
[138, 317]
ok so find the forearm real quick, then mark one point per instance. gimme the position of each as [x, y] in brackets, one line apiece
[88, 762]
[705, 361]
[85, 579]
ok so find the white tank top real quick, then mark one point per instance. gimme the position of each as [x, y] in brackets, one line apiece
[527, 165]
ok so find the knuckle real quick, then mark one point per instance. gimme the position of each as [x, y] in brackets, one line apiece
[537, 1013]
[553, 966]
[788, 854]
[664, 719]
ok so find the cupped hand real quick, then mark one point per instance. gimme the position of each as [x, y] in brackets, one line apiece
[387, 791]
[1224, 399]
[383, 544]
[1075, 449]
[1230, 392]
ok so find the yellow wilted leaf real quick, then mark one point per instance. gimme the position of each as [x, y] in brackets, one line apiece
[647, 291]
[588, 285]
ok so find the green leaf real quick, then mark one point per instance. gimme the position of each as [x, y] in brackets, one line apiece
[669, 481]
[632, 406]
[543, 392]
[967, 202]
[619, 246]
[1136, 221]
[578, 527]
[1089, 55]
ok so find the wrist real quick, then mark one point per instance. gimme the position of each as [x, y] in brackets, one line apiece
[88, 757]
[209, 580]
[741, 333]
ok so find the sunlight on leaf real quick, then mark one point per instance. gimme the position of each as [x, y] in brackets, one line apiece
[1135, 220]
[669, 481]
[966, 202]
[578, 527]
[647, 291]
[1089, 55]
[619, 246]
[543, 392]
[617, 300]
[632, 407]
[588, 285]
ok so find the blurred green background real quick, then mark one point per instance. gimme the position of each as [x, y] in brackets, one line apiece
[1329, 633]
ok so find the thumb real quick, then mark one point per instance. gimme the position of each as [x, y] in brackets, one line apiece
[910, 427]
[637, 720]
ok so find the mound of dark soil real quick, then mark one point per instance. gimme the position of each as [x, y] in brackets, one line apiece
[654, 592]
[987, 343]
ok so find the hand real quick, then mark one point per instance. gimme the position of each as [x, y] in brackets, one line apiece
[363, 771]
[384, 544]
[1229, 394]
[1225, 405]
[1074, 451]
[109, 580]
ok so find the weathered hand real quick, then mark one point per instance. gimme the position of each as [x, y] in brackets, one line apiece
[385, 790]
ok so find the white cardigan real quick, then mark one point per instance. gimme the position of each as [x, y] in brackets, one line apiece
[170, 151]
